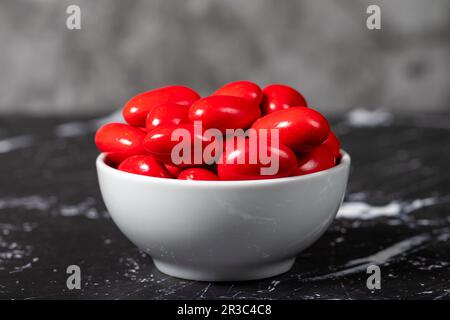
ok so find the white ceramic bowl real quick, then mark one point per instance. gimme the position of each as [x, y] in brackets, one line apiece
[223, 230]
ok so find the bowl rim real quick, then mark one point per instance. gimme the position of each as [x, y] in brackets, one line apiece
[102, 166]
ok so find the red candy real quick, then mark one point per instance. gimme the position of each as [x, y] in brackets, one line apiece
[137, 108]
[159, 143]
[119, 140]
[321, 158]
[173, 133]
[230, 167]
[224, 112]
[302, 129]
[333, 143]
[198, 174]
[243, 89]
[280, 97]
[167, 114]
[173, 170]
[144, 165]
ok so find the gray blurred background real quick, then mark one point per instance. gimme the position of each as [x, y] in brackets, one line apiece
[321, 47]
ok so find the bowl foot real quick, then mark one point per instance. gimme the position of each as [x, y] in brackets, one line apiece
[243, 273]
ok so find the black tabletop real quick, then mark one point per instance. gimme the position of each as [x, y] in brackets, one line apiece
[396, 215]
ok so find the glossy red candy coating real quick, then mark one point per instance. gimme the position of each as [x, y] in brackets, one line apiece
[321, 158]
[137, 108]
[301, 129]
[144, 165]
[116, 158]
[173, 170]
[224, 112]
[198, 174]
[247, 90]
[167, 114]
[231, 169]
[119, 140]
[159, 144]
[280, 97]
[333, 143]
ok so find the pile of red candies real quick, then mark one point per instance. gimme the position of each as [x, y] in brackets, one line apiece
[143, 145]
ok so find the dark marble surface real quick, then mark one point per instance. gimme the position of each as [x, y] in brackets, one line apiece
[396, 214]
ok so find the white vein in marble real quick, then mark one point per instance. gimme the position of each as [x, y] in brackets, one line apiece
[79, 128]
[364, 211]
[362, 117]
[15, 143]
